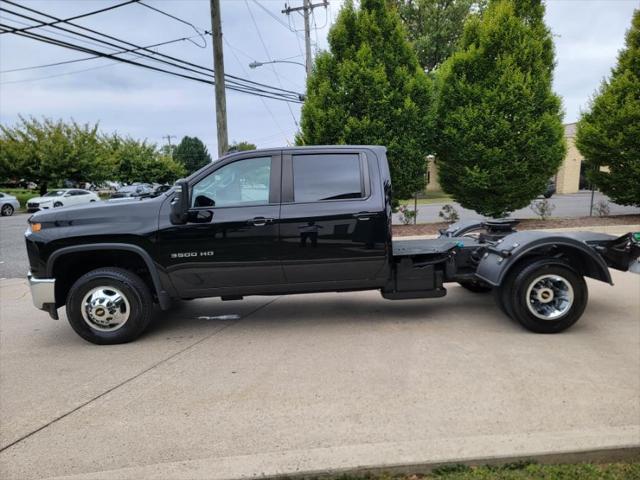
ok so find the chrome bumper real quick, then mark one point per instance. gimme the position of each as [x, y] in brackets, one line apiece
[42, 292]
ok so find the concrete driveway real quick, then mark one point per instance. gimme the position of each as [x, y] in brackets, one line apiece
[313, 382]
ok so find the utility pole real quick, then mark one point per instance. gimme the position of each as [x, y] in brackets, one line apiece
[169, 137]
[218, 72]
[307, 7]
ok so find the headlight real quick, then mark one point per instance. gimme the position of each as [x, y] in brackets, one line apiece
[35, 227]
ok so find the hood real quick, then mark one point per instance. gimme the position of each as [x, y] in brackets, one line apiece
[42, 199]
[97, 212]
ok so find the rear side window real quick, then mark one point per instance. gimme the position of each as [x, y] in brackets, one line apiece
[327, 177]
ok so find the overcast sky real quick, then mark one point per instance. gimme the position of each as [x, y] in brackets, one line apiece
[146, 104]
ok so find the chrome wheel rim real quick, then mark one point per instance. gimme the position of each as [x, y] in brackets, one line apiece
[549, 297]
[105, 309]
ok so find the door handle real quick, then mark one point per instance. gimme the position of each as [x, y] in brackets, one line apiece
[261, 221]
[363, 216]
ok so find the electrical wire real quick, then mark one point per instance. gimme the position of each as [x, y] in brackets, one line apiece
[162, 12]
[84, 15]
[42, 38]
[229, 78]
[264, 103]
[266, 51]
[83, 59]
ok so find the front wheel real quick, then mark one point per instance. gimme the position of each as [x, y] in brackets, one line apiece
[7, 210]
[547, 296]
[57, 205]
[109, 306]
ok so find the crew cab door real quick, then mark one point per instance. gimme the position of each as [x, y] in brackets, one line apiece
[333, 223]
[231, 238]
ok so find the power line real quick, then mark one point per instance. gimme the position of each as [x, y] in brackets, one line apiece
[232, 79]
[266, 50]
[264, 103]
[84, 15]
[61, 43]
[84, 59]
[162, 12]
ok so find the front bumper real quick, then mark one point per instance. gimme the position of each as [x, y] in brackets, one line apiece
[43, 294]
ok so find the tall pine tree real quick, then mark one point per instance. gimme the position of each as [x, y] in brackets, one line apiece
[369, 89]
[609, 133]
[498, 121]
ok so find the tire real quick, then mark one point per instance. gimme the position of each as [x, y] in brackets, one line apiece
[7, 210]
[57, 205]
[101, 288]
[476, 286]
[547, 296]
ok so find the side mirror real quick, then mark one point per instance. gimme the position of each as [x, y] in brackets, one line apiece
[180, 203]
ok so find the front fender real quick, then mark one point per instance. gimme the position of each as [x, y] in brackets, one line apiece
[499, 259]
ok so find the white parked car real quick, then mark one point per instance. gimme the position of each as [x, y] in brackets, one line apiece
[8, 204]
[61, 198]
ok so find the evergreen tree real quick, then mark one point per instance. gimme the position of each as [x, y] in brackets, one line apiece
[369, 89]
[609, 133]
[498, 121]
[192, 153]
[434, 26]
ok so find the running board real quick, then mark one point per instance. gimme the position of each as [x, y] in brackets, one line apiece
[438, 292]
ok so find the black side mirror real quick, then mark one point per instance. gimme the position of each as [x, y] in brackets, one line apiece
[180, 203]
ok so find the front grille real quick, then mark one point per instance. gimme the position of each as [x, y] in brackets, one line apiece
[33, 204]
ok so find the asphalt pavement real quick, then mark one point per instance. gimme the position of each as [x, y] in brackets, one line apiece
[314, 383]
[13, 253]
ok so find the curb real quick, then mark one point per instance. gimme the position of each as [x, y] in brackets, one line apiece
[621, 454]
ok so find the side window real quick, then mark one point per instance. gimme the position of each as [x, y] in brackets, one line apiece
[244, 182]
[327, 177]
[81, 192]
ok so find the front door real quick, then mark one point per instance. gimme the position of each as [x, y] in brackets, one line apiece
[332, 218]
[231, 238]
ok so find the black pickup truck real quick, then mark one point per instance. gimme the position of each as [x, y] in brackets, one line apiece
[296, 220]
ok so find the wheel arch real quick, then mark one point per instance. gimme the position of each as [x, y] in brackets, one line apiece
[499, 261]
[107, 250]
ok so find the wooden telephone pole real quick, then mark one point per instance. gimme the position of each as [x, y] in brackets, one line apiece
[307, 7]
[218, 68]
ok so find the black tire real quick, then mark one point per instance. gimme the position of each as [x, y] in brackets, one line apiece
[7, 210]
[132, 288]
[57, 204]
[476, 286]
[556, 277]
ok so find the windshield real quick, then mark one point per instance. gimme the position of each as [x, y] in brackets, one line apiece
[55, 193]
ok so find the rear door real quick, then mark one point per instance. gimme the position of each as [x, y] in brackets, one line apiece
[332, 222]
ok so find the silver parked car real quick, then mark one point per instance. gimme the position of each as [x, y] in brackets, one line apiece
[8, 204]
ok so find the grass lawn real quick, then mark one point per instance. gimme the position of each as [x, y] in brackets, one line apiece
[520, 471]
[428, 198]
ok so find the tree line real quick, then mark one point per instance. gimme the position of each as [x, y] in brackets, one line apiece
[471, 82]
[49, 152]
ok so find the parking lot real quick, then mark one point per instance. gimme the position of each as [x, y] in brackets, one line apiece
[313, 382]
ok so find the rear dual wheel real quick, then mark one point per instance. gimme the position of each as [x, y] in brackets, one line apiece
[543, 295]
